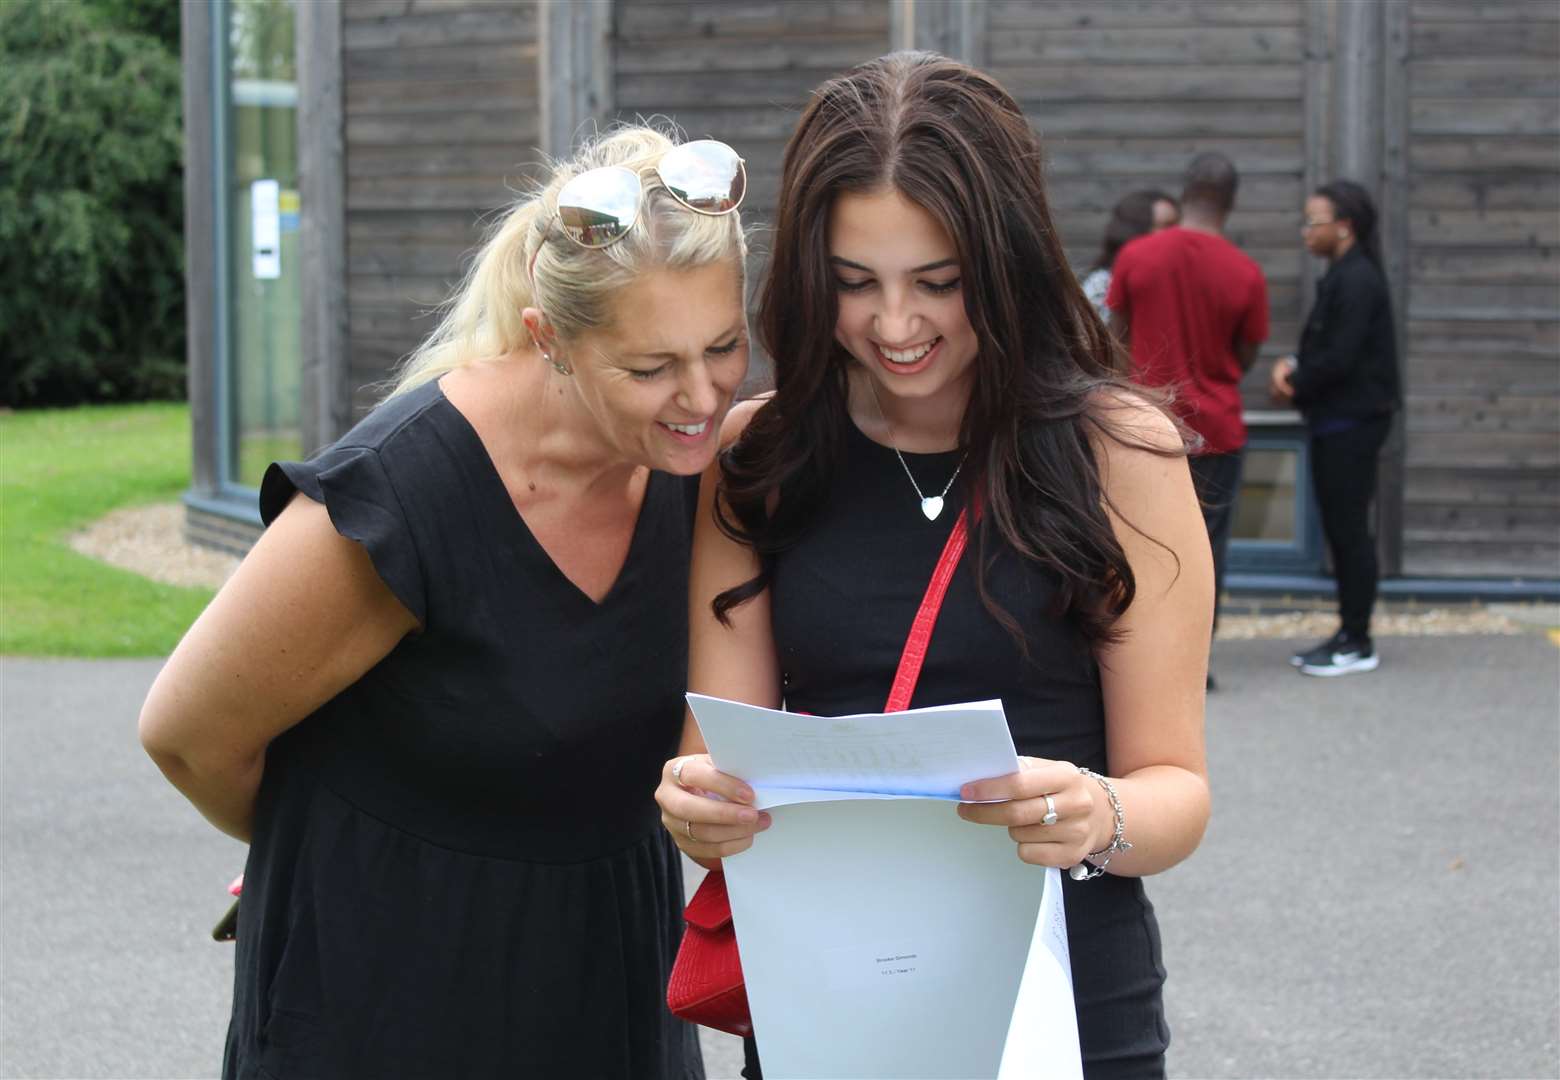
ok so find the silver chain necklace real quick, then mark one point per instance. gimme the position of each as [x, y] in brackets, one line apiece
[931, 505]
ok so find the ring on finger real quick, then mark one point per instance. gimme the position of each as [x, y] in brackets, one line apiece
[677, 768]
[688, 828]
[1050, 811]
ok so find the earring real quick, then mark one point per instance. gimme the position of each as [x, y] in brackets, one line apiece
[561, 369]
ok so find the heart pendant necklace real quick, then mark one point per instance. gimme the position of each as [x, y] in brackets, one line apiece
[931, 505]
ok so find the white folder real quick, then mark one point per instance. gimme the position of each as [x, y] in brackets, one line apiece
[882, 936]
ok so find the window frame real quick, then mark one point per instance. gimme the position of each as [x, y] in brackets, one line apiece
[223, 378]
[1304, 554]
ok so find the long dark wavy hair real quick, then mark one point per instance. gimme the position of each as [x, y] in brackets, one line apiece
[1047, 373]
[1130, 218]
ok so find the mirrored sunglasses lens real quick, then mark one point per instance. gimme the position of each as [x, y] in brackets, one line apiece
[706, 176]
[599, 206]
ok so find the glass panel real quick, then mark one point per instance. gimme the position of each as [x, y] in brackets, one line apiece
[1266, 510]
[265, 349]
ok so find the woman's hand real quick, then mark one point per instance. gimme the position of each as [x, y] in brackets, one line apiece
[709, 814]
[1280, 386]
[1083, 821]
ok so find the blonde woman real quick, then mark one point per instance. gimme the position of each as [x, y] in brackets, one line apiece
[436, 696]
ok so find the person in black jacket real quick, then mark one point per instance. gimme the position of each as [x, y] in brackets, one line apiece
[1345, 382]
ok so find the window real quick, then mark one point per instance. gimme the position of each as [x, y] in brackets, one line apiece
[1266, 512]
[1276, 527]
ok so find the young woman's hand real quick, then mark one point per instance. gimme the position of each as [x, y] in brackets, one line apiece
[1083, 821]
[709, 814]
[1280, 386]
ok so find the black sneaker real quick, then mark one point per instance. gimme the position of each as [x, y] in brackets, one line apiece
[1341, 656]
[1318, 652]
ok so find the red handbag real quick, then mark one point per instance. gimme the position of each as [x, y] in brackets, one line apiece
[706, 985]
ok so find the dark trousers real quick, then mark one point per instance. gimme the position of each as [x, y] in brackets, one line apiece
[1343, 472]
[1217, 480]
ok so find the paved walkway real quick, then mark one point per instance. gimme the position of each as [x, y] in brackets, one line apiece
[1378, 895]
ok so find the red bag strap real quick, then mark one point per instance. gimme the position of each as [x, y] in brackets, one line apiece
[920, 638]
[710, 907]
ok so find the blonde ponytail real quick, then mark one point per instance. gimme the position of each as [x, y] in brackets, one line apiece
[527, 262]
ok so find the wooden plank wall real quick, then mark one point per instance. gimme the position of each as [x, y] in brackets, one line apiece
[1125, 92]
[739, 72]
[442, 118]
[442, 124]
[1482, 484]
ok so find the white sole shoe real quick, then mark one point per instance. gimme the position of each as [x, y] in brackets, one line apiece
[1347, 667]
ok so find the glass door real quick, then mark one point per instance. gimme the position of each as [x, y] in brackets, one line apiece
[261, 298]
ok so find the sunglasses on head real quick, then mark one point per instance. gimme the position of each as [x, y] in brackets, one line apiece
[598, 207]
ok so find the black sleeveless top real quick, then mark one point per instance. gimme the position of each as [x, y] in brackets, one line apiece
[458, 867]
[843, 600]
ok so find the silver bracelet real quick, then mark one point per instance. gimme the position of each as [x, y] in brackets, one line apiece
[1083, 871]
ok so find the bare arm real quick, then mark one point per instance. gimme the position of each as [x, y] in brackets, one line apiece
[1152, 680]
[736, 662]
[304, 616]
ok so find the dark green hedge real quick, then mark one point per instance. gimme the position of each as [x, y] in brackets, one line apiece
[91, 202]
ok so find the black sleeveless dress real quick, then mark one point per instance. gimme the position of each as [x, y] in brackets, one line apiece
[843, 600]
[458, 868]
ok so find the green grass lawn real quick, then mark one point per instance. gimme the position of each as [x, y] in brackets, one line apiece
[59, 470]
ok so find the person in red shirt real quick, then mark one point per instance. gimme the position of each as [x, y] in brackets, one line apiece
[1193, 308]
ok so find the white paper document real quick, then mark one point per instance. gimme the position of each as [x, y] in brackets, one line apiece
[881, 935]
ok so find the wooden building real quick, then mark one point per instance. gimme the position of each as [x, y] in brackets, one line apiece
[369, 140]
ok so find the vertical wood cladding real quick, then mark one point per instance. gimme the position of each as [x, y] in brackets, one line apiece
[442, 124]
[1482, 483]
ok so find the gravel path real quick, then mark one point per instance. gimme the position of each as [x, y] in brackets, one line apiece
[1306, 625]
[149, 540]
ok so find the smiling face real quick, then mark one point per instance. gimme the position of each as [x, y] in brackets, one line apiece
[659, 381]
[901, 305]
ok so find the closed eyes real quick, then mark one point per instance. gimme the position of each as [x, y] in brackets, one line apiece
[714, 350]
[937, 288]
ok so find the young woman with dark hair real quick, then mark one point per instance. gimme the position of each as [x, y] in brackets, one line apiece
[934, 354]
[1135, 214]
[1345, 382]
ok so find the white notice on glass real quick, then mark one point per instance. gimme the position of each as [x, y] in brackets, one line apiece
[265, 228]
[881, 935]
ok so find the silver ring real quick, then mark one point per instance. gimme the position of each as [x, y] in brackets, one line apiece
[688, 828]
[677, 770]
[1050, 811]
